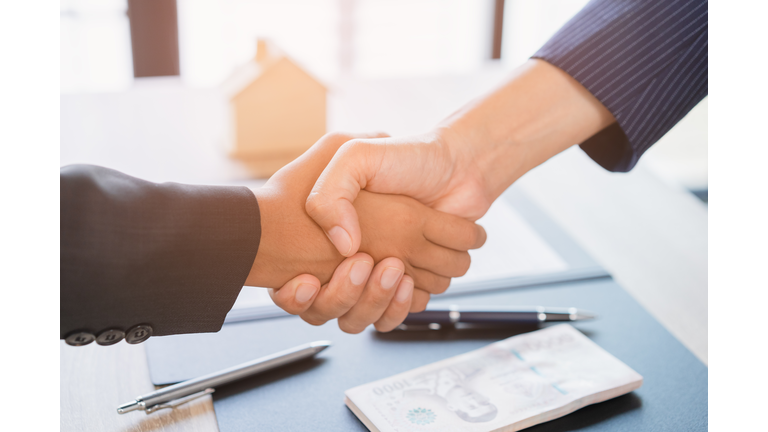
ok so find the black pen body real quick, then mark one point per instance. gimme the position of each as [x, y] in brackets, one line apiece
[445, 317]
[494, 315]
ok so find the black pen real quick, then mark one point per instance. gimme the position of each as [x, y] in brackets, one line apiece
[453, 314]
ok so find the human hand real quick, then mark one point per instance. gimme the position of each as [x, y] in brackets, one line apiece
[433, 168]
[392, 226]
[355, 303]
[469, 159]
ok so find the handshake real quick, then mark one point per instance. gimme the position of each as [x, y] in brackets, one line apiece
[375, 263]
[359, 228]
[408, 204]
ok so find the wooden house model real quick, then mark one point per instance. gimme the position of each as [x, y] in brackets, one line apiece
[277, 110]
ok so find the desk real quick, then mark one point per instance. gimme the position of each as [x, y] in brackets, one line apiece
[650, 235]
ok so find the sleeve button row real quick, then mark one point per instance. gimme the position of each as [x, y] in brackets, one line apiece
[135, 335]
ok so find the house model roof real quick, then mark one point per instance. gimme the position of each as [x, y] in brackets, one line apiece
[267, 55]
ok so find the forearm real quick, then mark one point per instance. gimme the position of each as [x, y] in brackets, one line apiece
[645, 61]
[167, 255]
[537, 113]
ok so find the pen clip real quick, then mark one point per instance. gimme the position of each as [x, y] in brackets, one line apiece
[177, 402]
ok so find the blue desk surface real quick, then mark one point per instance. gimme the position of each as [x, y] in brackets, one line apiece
[309, 396]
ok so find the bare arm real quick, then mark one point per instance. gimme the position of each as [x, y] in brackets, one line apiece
[468, 159]
[537, 113]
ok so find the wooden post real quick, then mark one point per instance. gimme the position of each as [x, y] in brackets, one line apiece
[154, 37]
[498, 26]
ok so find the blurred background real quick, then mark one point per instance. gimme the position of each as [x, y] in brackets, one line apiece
[111, 47]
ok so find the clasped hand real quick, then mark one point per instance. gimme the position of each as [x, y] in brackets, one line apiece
[333, 200]
[407, 250]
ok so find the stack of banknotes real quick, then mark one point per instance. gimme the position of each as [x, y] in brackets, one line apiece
[506, 386]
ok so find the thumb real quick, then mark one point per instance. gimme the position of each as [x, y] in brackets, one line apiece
[330, 202]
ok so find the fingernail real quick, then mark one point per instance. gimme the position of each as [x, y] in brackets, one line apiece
[305, 292]
[360, 271]
[390, 277]
[341, 239]
[405, 290]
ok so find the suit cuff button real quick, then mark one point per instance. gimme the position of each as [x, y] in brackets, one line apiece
[110, 337]
[138, 334]
[79, 338]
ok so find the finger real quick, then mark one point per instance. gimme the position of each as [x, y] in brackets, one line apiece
[453, 231]
[330, 201]
[428, 281]
[367, 135]
[419, 300]
[377, 296]
[398, 307]
[297, 294]
[331, 206]
[312, 162]
[342, 292]
[441, 260]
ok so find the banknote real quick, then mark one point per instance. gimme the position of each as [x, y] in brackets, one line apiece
[506, 386]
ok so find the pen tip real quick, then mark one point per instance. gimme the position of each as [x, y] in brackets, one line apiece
[128, 407]
[584, 315]
[320, 345]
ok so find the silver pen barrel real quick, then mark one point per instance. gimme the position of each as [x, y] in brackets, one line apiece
[234, 373]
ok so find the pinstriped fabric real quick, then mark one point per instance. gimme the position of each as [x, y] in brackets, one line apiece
[646, 61]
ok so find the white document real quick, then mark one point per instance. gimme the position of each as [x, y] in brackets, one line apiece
[506, 386]
[513, 248]
[252, 297]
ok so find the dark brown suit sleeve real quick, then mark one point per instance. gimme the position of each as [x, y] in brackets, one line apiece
[168, 255]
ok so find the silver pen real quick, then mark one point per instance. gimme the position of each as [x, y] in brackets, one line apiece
[177, 394]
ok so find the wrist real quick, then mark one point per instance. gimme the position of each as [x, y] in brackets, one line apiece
[262, 271]
[291, 243]
[537, 113]
[496, 158]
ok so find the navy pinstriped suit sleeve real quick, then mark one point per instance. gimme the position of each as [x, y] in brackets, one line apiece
[645, 61]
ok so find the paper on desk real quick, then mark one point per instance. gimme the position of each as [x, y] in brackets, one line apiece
[513, 248]
[506, 386]
[251, 297]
